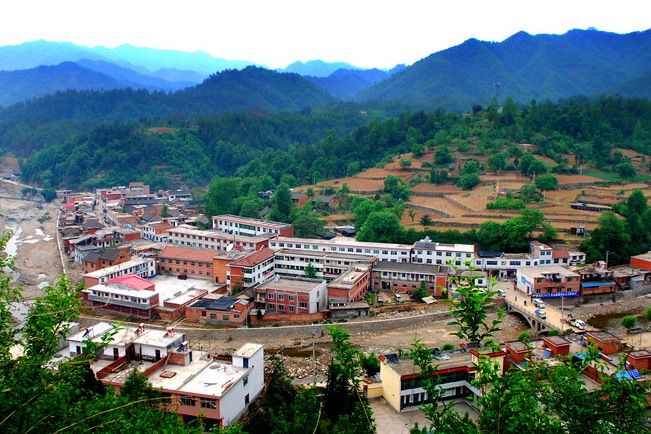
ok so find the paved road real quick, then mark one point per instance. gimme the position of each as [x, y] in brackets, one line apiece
[518, 298]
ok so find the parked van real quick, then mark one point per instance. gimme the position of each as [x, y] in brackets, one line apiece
[538, 303]
[540, 313]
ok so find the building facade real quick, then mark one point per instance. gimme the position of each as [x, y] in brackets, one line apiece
[187, 236]
[143, 267]
[548, 282]
[292, 295]
[250, 227]
[397, 277]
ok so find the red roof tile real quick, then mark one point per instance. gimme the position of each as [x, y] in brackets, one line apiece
[133, 281]
[560, 253]
[255, 258]
[188, 254]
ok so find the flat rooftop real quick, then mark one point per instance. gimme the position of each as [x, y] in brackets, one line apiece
[324, 255]
[405, 267]
[247, 350]
[343, 241]
[236, 218]
[189, 230]
[156, 338]
[93, 332]
[292, 285]
[546, 270]
[115, 268]
[405, 366]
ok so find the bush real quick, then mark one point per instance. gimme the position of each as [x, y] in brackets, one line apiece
[505, 203]
[448, 347]
[468, 181]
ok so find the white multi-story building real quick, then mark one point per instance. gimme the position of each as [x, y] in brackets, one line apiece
[142, 267]
[187, 236]
[292, 262]
[382, 251]
[247, 226]
[197, 384]
[424, 251]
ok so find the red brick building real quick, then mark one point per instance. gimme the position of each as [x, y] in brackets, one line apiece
[642, 261]
[604, 341]
[292, 296]
[406, 277]
[195, 263]
[222, 310]
[250, 269]
[351, 286]
[94, 261]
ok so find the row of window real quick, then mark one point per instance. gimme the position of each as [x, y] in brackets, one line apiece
[247, 227]
[281, 297]
[190, 401]
[405, 275]
[281, 307]
[119, 297]
[224, 317]
[185, 270]
[177, 261]
[206, 238]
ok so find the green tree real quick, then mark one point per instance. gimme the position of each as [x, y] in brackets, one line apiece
[546, 182]
[221, 195]
[529, 165]
[647, 314]
[530, 193]
[629, 322]
[164, 212]
[308, 225]
[443, 156]
[405, 163]
[362, 208]
[343, 196]
[49, 194]
[251, 207]
[310, 271]
[468, 181]
[283, 205]
[497, 162]
[381, 227]
[611, 236]
[470, 311]
[439, 176]
[426, 220]
[419, 292]
[411, 213]
[625, 169]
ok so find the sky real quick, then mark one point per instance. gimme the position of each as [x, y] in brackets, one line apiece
[365, 33]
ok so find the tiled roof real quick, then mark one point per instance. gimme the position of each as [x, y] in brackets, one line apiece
[255, 258]
[560, 253]
[133, 281]
[187, 254]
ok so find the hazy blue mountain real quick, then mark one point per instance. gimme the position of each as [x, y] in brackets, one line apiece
[255, 89]
[346, 83]
[585, 62]
[171, 74]
[137, 79]
[252, 89]
[30, 83]
[143, 60]
[316, 68]
[153, 59]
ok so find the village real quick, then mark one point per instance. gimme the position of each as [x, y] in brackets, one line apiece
[197, 293]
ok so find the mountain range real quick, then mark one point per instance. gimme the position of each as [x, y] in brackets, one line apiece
[542, 67]
[524, 67]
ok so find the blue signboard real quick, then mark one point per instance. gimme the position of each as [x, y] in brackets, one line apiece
[557, 294]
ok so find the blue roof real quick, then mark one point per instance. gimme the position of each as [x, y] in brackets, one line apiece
[596, 284]
[632, 374]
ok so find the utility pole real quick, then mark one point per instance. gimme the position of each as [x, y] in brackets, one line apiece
[607, 251]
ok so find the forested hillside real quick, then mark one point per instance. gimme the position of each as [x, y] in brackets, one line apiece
[542, 67]
[52, 118]
[314, 145]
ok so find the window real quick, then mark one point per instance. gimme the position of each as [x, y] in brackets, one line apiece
[271, 295]
[281, 308]
[208, 403]
[213, 316]
[246, 399]
[188, 401]
[292, 309]
[203, 313]
[281, 296]
[291, 297]
[226, 317]
[302, 304]
[245, 381]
